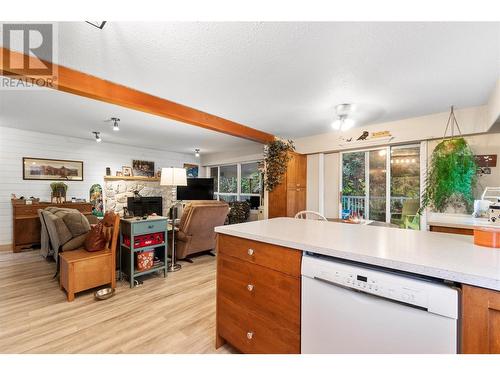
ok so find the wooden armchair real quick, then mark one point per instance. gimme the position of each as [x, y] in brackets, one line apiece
[82, 270]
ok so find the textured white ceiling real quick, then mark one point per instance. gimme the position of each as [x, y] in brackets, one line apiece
[285, 78]
[61, 113]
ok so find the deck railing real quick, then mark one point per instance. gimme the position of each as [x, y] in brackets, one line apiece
[356, 204]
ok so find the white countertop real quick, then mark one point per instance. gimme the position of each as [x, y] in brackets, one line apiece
[445, 256]
[458, 221]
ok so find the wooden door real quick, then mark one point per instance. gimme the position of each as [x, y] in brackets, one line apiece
[277, 201]
[296, 174]
[302, 171]
[296, 201]
[480, 321]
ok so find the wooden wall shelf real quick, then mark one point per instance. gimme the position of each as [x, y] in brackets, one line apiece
[131, 178]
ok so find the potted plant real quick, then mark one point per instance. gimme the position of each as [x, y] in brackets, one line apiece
[276, 158]
[58, 192]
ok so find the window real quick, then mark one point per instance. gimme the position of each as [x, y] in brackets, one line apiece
[382, 184]
[237, 182]
[214, 173]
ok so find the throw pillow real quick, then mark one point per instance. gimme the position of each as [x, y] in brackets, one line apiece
[76, 222]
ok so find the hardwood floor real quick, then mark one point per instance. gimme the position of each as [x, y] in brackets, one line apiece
[165, 315]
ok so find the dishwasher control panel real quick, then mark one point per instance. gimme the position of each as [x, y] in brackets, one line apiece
[432, 295]
[369, 282]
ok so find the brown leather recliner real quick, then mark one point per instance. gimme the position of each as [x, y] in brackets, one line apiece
[196, 228]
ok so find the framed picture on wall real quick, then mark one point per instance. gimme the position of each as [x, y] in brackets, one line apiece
[191, 170]
[52, 169]
[143, 168]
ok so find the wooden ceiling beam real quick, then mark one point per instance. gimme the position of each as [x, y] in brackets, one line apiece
[78, 83]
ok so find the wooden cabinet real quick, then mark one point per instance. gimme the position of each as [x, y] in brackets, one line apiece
[258, 296]
[480, 321]
[26, 223]
[290, 196]
[452, 230]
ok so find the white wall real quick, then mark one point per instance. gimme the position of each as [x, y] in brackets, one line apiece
[331, 191]
[312, 202]
[16, 144]
[254, 151]
[324, 200]
[493, 109]
[472, 120]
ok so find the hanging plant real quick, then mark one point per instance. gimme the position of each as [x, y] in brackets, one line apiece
[451, 176]
[274, 165]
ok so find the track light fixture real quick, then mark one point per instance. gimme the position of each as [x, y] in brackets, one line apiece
[115, 120]
[197, 152]
[97, 136]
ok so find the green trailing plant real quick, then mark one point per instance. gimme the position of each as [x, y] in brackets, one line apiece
[276, 158]
[451, 176]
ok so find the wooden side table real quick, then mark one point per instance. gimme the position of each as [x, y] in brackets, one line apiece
[135, 236]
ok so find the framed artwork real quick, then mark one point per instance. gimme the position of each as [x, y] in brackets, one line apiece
[126, 171]
[191, 170]
[143, 168]
[52, 169]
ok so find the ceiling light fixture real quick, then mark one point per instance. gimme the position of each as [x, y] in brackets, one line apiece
[97, 136]
[343, 122]
[197, 152]
[98, 24]
[115, 120]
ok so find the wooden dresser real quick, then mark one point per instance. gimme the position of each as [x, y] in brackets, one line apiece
[258, 296]
[289, 197]
[26, 223]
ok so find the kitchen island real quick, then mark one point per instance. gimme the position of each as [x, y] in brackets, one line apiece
[275, 247]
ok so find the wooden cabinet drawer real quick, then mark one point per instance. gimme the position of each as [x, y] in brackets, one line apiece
[275, 257]
[260, 290]
[27, 209]
[252, 334]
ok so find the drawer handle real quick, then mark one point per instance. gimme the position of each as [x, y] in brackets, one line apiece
[250, 287]
[250, 335]
[298, 185]
[250, 251]
[151, 226]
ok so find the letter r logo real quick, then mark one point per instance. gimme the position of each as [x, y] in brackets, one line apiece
[35, 42]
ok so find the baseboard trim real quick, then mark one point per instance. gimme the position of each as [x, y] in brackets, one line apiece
[7, 247]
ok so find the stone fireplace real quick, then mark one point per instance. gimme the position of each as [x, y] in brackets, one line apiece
[116, 192]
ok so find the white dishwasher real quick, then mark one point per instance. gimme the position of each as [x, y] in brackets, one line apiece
[348, 308]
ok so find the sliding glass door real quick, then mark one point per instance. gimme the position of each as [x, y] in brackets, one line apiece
[405, 186]
[382, 184]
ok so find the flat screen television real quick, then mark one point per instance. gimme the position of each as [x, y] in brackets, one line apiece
[196, 189]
